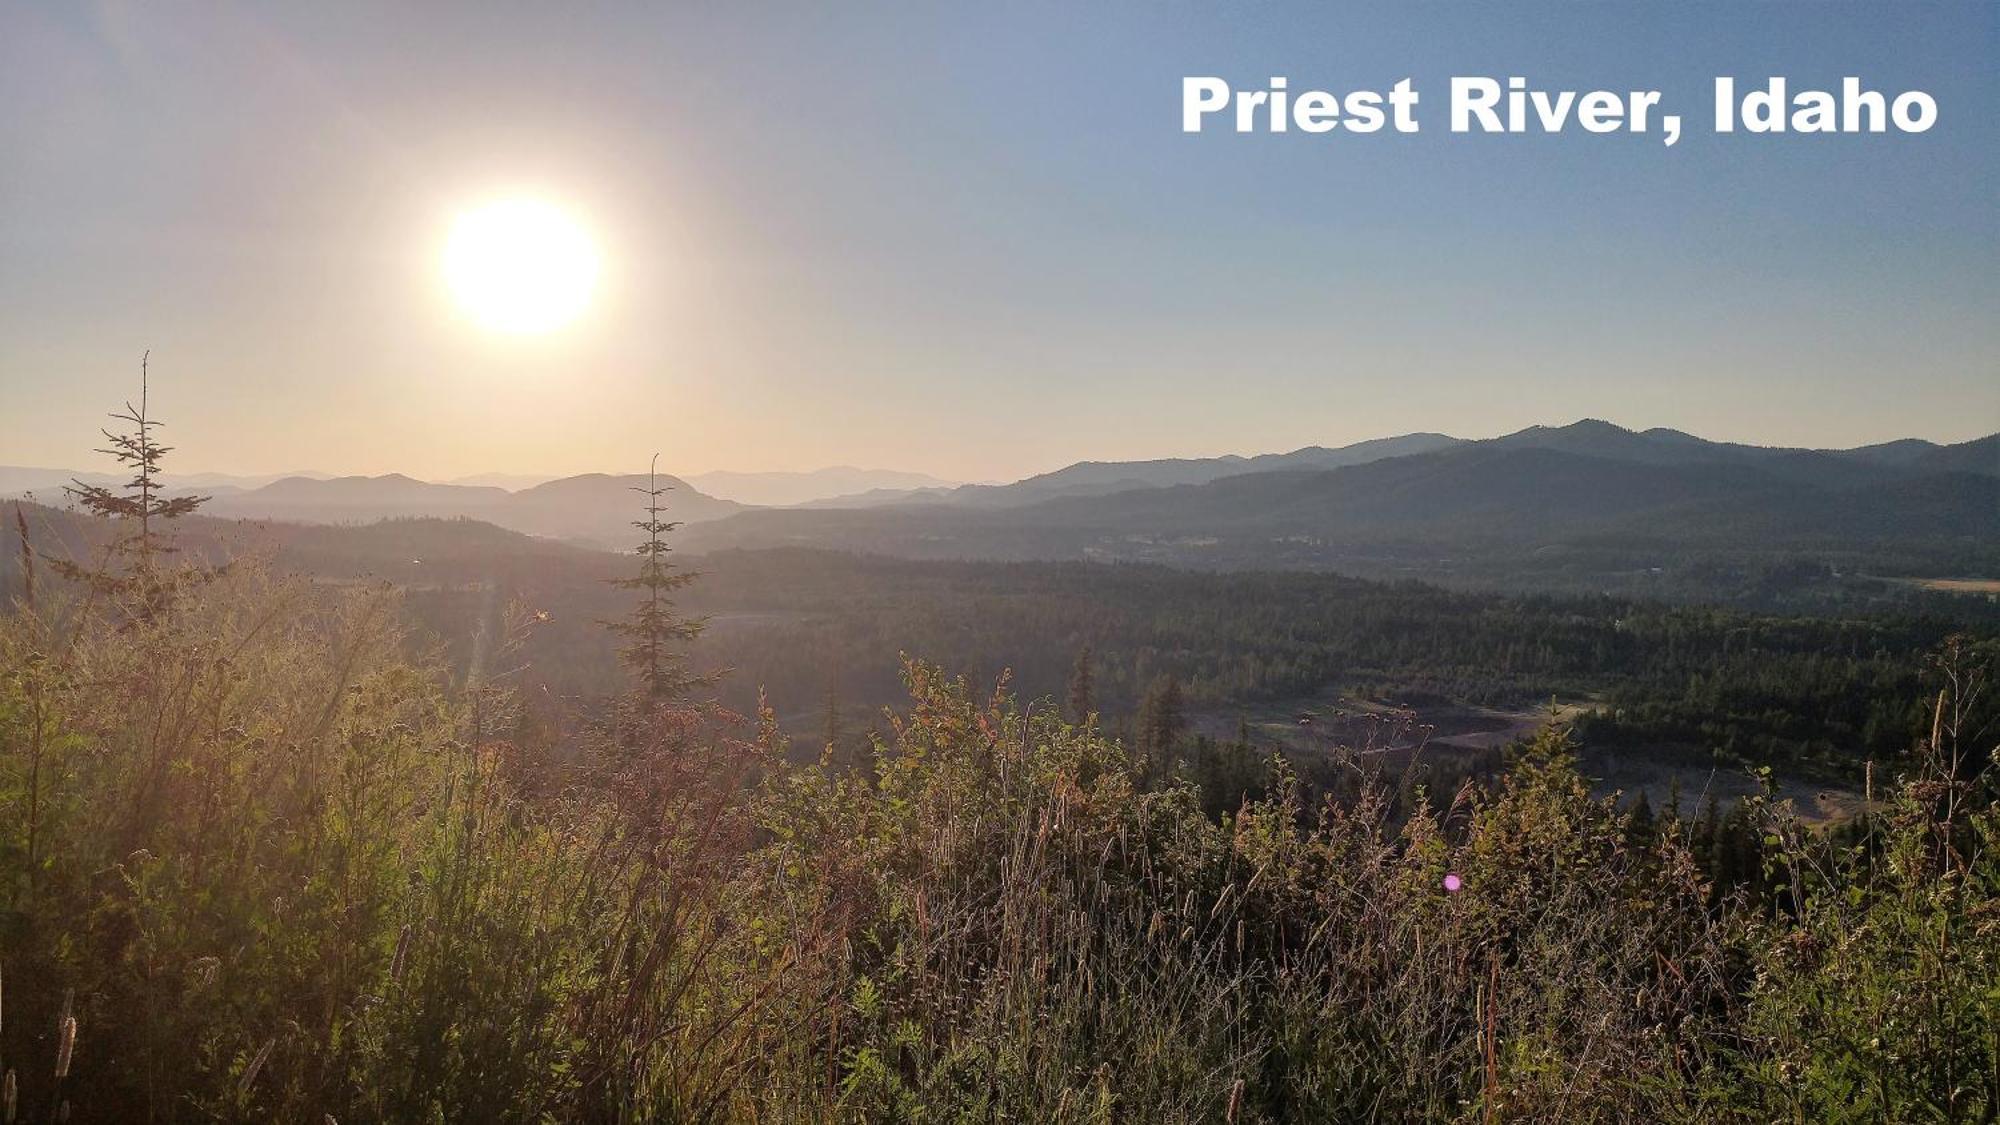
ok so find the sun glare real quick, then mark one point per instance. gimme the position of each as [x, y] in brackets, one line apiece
[520, 265]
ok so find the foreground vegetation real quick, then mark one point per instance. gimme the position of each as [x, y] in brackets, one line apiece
[262, 863]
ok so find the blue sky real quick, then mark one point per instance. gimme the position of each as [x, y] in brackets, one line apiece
[972, 239]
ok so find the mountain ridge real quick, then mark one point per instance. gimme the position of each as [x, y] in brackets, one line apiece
[1547, 492]
[1581, 478]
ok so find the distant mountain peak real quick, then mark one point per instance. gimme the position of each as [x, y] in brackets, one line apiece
[1589, 426]
[1663, 433]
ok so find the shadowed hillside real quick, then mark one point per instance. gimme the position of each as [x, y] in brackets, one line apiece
[1586, 505]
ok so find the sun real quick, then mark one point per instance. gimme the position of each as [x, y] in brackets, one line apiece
[520, 265]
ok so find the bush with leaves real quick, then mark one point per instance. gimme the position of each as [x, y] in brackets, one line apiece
[1878, 985]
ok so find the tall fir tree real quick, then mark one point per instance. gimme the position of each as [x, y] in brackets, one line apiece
[834, 733]
[136, 571]
[27, 556]
[1162, 722]
[655, 632]
[1082, 688]
[1641, 825]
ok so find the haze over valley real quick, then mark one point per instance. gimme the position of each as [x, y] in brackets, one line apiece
[1587, 505]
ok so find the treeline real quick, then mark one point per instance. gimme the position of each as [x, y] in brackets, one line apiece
[812, 628]
[1756, 688]
[805, 627]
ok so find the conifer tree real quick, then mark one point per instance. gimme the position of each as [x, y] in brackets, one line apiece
[832, 717]
[655, 631]
[1162, 721]
[1082, 688]
[1640, 823]
[136, 570]
[1169, 711]
[27, 557]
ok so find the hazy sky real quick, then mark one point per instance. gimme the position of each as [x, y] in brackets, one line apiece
[972, 239]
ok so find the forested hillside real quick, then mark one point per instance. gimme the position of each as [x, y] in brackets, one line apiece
[1735, 688]
[1584, 507]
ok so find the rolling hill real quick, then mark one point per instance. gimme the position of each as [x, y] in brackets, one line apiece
[1097, 478]
[595, 509]
[1581, 502]
[1587, 504]
[819, 485]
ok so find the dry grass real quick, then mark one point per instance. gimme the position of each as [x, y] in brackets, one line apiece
[287, 868]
